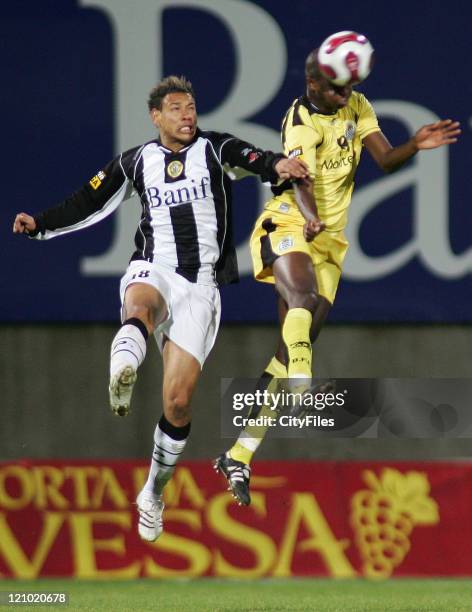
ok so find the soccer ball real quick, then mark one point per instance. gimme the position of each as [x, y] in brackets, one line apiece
[345, 58]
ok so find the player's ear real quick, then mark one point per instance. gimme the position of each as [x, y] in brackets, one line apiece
[155, 117]
[312, 84]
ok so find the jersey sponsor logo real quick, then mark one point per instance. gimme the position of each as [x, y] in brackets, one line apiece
[96, 181]
[284, 207]
[175, 168]
[334, 164]
[170, 197]
[296, 152]
[285, 244]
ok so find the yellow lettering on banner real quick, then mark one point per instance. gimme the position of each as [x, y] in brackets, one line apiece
[268, 482]
[48, 481]
[16, 559]
[260, 544]
[84, 545]
[183, 484]
[26, 486]
[79, 477]
[197, 555]
[305, 510]
[108, 485]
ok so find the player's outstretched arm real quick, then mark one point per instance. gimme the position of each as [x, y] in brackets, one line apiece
[90, 204]
[268, 165]
[389, 159]
[24, 224]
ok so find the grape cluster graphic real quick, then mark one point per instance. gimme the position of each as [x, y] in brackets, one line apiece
[384, 515]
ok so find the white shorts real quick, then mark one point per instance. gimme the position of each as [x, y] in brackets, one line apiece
[193, 310]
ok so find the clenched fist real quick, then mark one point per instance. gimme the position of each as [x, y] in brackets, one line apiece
[24, 224]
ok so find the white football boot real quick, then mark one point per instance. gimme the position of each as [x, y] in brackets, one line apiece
[121, 389]
[150, 524]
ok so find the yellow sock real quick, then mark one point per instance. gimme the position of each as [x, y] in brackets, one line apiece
[296, 335]
[238, 452]
[252, 435]
[276, 368]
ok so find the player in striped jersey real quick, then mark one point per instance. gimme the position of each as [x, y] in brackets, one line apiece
[183, 249]
[298, 242]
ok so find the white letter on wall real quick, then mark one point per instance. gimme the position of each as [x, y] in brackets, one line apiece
[260, 69]
[428, 174]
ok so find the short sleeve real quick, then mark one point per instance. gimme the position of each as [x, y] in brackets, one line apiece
[367, 122]
[301, 141]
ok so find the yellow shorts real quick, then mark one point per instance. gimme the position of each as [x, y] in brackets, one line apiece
[277, 234]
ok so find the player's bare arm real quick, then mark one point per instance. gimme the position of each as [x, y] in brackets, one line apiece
[303, 189]
[23, 224]
[297, 170]
[431, 136]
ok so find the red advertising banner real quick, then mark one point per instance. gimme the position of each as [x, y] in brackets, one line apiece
[338, 519]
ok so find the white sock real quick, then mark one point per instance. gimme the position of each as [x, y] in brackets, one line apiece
[128, 348]
[165, 455]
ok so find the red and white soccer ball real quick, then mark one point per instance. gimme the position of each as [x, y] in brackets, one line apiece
[346, 58]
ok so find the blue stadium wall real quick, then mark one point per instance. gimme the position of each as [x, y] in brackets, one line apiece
[76, 75]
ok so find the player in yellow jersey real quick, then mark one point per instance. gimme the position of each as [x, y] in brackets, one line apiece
[298, 242]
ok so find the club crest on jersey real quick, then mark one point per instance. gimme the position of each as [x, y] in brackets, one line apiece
[175, 168]
[295, 152]
[96, 181]
[350, 130]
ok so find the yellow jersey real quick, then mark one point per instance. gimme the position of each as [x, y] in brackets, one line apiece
[331, 146]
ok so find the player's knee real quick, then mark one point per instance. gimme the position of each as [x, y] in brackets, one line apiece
[300, 298]
[144, 312]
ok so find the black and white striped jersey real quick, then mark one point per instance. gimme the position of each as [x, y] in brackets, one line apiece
[185, 222]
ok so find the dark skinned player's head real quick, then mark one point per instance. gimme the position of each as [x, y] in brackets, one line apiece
[326, 96]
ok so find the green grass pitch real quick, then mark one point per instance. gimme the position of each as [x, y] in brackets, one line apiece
[214, 595]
